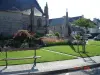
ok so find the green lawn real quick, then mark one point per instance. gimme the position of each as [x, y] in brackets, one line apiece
[91, 50]
[92, 42]
[63, 48]
[45, 57]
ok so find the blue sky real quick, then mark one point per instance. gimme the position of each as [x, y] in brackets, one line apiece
[57, 8]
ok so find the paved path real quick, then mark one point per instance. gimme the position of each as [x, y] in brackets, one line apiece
[49, 67]
[61, 53]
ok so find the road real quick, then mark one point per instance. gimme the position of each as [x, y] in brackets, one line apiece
[94, 71]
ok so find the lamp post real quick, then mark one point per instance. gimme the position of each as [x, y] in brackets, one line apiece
[6, 59]
[5, 48]
[35, 57]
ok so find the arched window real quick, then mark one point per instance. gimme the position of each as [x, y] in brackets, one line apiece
[39, 22]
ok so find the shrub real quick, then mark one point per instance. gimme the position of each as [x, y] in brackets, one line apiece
[22, 35]
[14, 43]
[38, 35]
[56, 43]
[17, 44]
[57, 34]
[5, 36]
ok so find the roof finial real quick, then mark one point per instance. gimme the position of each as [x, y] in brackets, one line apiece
[46, 4]
[67, 10]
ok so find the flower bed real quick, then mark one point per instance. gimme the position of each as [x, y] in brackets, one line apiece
[53, 41]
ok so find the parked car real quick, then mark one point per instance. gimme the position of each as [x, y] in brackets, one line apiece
[97, 37]
[88, 35]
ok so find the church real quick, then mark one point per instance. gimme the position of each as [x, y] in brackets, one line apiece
[22, 14]
[63, 25]
[27, 15]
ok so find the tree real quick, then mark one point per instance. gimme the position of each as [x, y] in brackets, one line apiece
[82, 22]
[86, 23]
[77, 37]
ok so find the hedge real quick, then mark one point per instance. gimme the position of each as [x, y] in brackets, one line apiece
[56, 43]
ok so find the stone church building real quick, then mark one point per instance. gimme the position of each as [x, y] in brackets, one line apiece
[63, 25]
[22, 14]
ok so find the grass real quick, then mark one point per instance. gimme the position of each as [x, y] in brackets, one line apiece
[91, 50]
[45, 57]
[92, 42]
[64, 49]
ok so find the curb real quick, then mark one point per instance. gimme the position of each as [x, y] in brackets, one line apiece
[65, 70]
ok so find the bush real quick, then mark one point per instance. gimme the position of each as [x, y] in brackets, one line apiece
[56, 43]
[57, 34]
[5, 36]
[38, 35]
[15, 44]
[12, 43]
[22, 35]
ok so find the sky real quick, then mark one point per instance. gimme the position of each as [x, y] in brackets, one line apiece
[57, 8]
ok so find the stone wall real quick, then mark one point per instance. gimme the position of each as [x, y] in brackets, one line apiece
[11, 22]
[56, 28]
[62, 29]
[39, 28]
[25, 21]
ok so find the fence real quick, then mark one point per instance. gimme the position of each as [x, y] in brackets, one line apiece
[32, 57]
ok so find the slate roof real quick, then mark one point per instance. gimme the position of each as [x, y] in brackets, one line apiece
[60, 21]
[71, 19]
[19, 4]
[57, 21]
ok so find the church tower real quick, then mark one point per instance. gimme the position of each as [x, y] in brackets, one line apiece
[67, 21]
[68, 26]
[46, 11]
[46, 18]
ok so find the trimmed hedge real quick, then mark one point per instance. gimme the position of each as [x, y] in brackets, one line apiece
[60, 43]
[56, 43]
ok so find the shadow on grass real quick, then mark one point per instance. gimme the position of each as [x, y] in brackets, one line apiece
[88, 57]
[72, 47]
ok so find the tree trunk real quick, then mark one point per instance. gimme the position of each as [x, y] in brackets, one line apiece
[84, 42]
[84, 46]
[86, 30]
[77, 46]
